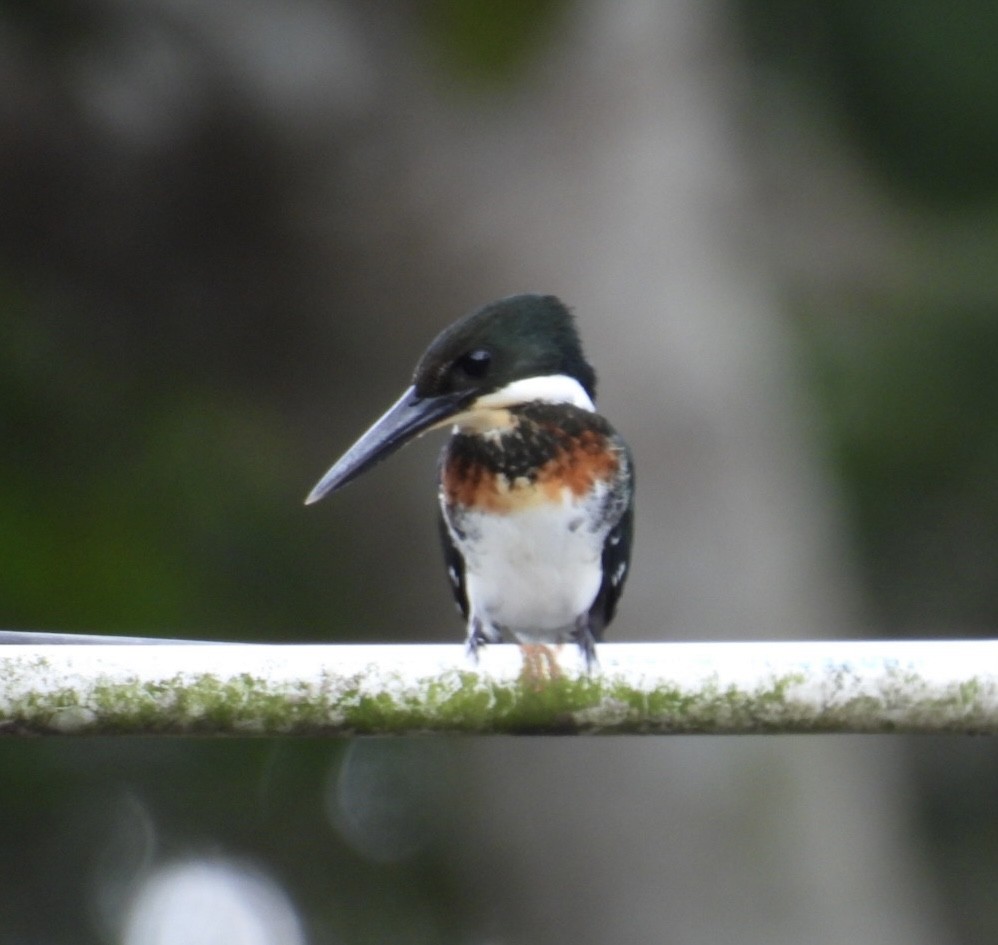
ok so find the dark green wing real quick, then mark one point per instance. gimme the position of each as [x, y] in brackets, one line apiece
[454, 561]
[616, 550]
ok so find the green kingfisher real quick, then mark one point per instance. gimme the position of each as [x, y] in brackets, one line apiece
[536, 489]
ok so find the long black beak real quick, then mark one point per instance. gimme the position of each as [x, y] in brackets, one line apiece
[406, 419]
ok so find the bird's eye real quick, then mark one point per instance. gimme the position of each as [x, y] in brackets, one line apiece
[475, 363]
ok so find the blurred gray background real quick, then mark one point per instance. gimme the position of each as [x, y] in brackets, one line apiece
[227, 230]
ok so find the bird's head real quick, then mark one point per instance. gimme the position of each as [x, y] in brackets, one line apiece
[520, 349]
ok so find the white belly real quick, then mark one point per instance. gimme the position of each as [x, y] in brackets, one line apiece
[532, 572]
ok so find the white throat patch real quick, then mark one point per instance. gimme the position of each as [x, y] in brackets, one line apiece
[549, 389]
[489, 415]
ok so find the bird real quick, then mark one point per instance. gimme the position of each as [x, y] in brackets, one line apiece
[535, 488]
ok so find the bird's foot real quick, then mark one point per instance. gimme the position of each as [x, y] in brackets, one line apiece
[583, 636]
[471, 647]
[478, 636]
[540, 665]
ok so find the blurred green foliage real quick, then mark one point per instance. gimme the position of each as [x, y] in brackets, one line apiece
[913, 81]
[904, 373]
[486, 44]
[159, 511]
[910, 394]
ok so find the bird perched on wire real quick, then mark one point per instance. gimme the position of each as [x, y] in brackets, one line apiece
[536, 489]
